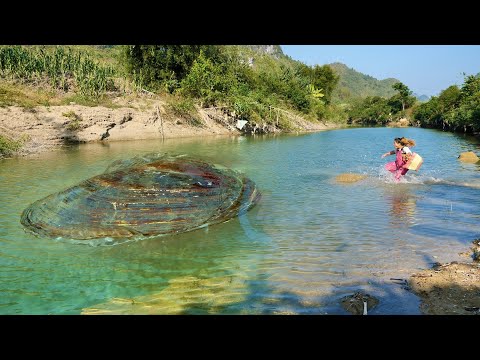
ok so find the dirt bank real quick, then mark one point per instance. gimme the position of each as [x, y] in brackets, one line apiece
[48, 128]
[449, 289]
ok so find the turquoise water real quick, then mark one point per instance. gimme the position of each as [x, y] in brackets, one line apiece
[309, 242]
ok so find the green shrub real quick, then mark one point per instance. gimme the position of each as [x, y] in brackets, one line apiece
[9, 146]
[185, 109]
[75, 120]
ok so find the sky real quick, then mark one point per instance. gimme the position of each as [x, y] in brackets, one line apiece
[425, 69]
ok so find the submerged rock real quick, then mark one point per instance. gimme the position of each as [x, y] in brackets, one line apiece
[350, 178]
[183, 295]
[144, 196]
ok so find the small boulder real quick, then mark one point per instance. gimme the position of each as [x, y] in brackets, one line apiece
[469, 157]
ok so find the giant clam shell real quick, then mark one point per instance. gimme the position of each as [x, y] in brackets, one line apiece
[145, 196]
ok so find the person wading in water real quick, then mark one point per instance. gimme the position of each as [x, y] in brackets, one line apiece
[403, 154]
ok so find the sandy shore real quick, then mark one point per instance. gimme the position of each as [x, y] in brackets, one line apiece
[48, 128]
[451, 288]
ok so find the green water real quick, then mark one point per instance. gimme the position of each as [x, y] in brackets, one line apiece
[309, 242]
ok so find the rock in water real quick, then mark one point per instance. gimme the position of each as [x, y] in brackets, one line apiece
[145, 196]
[354, 304]
[469, 157]
[350, 178]
[476, 249]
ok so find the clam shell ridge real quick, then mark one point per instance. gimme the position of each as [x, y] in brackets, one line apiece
[144, 196]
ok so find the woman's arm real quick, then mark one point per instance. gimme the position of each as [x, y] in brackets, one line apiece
[388, 153]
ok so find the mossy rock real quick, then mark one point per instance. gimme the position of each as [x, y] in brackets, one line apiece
[354, 303]
[349, 178]
[469, 157]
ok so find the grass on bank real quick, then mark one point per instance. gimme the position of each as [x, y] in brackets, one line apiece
[22, 95]
[9, 146]
[12, 94]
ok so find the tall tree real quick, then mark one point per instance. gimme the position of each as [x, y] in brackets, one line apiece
[322, 78]
[449, 98]
[404, 92]
[325, 78]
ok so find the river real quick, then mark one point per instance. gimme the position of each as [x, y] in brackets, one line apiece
[309, 242]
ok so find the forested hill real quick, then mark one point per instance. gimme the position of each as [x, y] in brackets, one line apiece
[354, 84]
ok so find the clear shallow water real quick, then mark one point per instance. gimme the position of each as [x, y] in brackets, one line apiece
[308, 243]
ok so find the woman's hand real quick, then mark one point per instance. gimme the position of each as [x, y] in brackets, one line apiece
[386, 154]
[407, 157]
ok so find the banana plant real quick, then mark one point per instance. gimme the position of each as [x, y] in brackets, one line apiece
[316, 93]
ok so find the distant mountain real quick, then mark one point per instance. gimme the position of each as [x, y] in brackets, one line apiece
[354, 84]
[274, 50]
[422, 98]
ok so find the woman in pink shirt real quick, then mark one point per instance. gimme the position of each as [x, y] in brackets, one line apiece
[403, 154]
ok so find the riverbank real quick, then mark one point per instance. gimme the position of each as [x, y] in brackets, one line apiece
[450, 288]
[43, 128]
